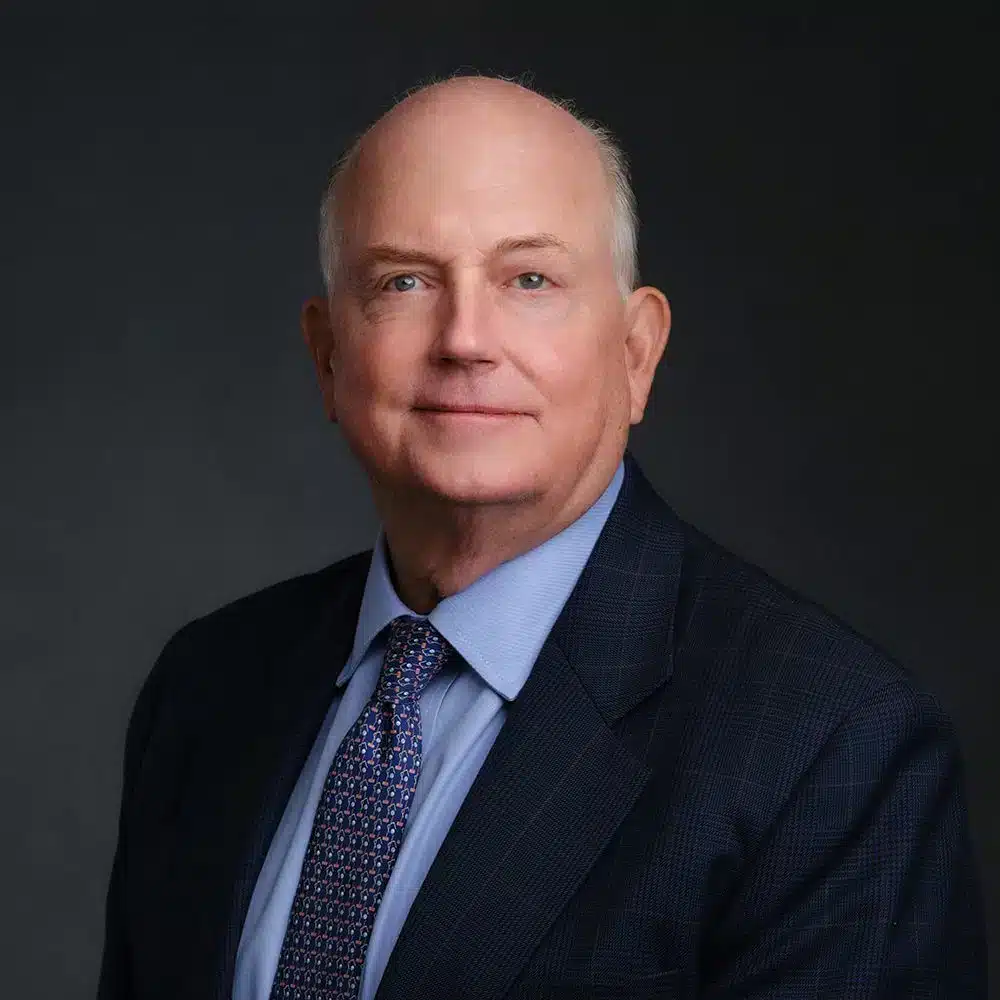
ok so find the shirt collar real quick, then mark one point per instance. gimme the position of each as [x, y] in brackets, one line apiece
[499, 623]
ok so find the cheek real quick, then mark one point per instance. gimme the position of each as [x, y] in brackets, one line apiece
[377, 363]
[569, 360]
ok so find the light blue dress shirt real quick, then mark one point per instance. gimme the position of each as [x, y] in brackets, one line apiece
[498, 625]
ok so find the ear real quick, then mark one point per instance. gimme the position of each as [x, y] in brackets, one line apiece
[318, 332]
[647, 324]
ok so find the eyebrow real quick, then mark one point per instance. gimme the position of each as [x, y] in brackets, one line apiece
[390, 253]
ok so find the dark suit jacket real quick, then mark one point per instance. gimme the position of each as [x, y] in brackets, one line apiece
[708, 787]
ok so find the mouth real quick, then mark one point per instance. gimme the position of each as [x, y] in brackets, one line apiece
[483, 414]
[469, 415]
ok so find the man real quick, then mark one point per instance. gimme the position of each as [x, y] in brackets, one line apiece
[545, 739]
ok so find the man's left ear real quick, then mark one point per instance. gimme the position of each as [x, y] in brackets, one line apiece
[647, 323]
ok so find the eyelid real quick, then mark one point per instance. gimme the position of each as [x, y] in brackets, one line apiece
[381, 283]
[541, 274]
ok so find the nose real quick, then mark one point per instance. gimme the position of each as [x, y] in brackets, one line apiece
[466, 331]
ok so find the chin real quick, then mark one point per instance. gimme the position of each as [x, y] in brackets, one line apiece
[476, 476]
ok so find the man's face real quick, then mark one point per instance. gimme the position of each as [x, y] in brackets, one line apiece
[477, 271]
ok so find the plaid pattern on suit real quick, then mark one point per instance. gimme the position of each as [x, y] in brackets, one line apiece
[708, 787]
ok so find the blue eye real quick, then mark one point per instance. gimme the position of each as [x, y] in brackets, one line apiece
[533, 285]
[402, 282]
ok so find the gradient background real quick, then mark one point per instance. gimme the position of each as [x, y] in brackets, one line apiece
[818, 201]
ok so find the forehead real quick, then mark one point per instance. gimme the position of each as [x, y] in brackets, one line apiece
[462, 175]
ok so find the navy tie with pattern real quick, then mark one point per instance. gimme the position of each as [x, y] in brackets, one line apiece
[359, 825]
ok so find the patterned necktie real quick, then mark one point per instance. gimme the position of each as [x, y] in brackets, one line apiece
[359, 825]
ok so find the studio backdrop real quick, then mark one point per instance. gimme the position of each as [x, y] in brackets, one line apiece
[816, 200]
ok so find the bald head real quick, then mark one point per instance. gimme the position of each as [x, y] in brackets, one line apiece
[486, 102]
[475, 125]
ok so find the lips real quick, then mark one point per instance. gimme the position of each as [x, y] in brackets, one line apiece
[487, 410]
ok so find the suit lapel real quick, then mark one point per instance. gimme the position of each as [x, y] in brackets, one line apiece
[558, 781]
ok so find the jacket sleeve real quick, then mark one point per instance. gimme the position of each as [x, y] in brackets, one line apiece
[115, 978]
[866, 885]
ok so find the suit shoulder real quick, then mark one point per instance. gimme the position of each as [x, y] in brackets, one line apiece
[775, 635]
[270, 615]
[773, 684]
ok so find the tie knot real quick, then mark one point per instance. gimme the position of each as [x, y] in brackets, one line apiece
[416, 651]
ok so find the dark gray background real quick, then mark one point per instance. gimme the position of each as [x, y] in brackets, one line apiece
[818, 202]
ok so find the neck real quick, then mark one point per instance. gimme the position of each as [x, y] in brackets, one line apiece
[436, 547]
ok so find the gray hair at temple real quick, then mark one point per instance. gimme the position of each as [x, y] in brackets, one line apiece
[624, 217]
